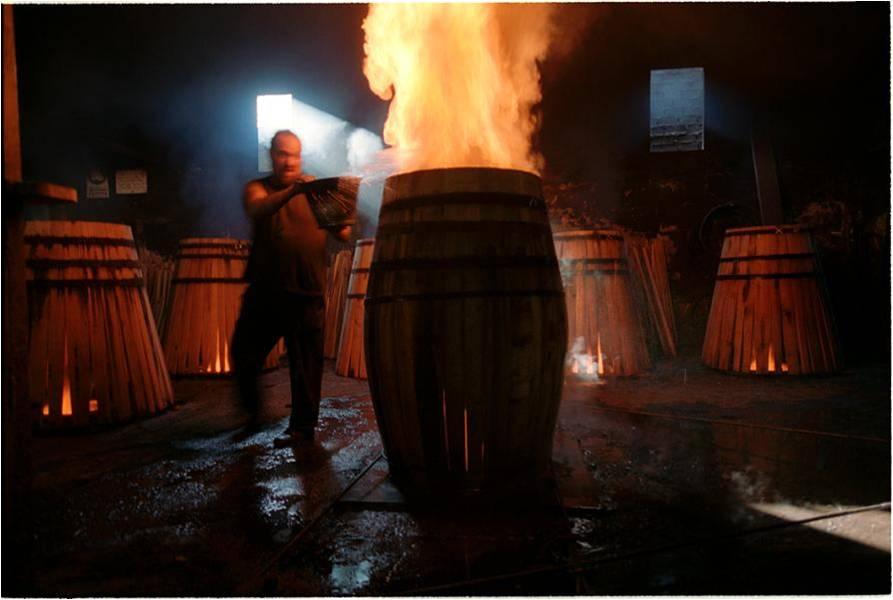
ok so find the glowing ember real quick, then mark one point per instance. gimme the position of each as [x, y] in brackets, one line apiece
[66, 383]
[94, 406]
[462, 80]
[784, 367]
[753, 363]
[771, 360]
[46, 410]
[446, 434]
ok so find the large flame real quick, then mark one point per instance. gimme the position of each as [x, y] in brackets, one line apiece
[463, 81]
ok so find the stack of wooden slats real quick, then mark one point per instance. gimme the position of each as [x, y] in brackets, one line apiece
[351, 360]
[158, 272]
[336, 295]
[648, 263]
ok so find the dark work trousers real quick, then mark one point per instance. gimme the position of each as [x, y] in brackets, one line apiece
[267, 315]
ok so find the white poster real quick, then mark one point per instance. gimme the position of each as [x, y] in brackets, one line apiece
[97, 185]
[131, 181]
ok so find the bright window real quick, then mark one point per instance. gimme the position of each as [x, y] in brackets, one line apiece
[677, 109]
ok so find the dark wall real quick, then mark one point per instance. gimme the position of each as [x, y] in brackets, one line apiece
[816, 79]
[172, 89]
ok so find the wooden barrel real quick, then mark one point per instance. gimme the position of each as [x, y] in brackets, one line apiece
[603, 321]
[465, 330]
[770, 311]
[336, 296]
[94, 355]
[207, 293]
[351, 350]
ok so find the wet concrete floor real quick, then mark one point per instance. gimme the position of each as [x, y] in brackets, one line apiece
[680, 481]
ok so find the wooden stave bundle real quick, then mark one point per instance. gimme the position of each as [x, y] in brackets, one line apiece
[208, 284]
[778, 302]
[648, 259]
[109, 352]
[465, 331]
[158, 272]
[605, 314]
[336, 299]
[351, 359]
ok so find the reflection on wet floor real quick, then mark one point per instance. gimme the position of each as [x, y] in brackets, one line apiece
[649, 496]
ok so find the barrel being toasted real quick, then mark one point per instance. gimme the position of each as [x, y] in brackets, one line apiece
[602, 318]
[208, 284]
[465, 329]
[94, 355]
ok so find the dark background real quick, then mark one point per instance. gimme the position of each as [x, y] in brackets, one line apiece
[172, 89]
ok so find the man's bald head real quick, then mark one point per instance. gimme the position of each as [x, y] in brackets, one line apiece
[285, 154]
[281, 135]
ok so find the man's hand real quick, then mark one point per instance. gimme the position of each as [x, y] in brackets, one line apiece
[342, 234]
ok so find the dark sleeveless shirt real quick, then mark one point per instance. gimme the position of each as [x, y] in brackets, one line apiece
[288, 251]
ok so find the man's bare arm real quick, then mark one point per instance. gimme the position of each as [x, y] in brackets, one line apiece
[258, 203]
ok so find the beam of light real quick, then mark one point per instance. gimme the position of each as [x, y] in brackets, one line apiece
[273, 114]
[869, 528]
[330, 145]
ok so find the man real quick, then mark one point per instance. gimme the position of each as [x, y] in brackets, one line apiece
[286, 276]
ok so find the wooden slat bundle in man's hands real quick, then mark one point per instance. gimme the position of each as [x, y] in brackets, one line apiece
[333, 200]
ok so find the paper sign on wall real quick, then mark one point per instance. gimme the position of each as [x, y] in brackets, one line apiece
[131, 181]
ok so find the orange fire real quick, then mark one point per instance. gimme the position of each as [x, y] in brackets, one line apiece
[585, 364]
[217, 346]
[462, 80]
[66, 382]
[601, 357]
[220, 363]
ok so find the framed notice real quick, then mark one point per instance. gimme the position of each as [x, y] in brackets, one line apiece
[97, 185]
[131, 181]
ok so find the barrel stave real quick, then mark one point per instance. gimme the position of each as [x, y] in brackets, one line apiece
[351, 358]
